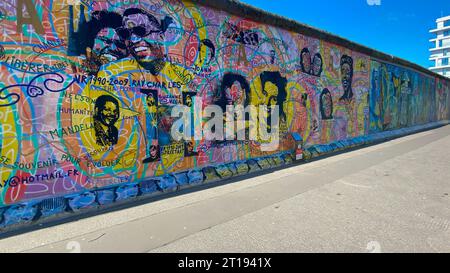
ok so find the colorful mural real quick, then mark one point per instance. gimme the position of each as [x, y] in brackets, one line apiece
[87, 89]
[442, 99]
[402, 98]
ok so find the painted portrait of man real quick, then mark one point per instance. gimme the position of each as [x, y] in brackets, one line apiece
[151, 100]
[108, 46]
[317, 65]
[188, 98]
[305, 61]
[189, 149]
[234, 90]
[347, 77]
[165, 123]
[98, 40]
[151, 106]
[154, 155]
[270, 90]
[144, 36]
[205, 48]
[274, 91]
[106, 114]
[326, 105]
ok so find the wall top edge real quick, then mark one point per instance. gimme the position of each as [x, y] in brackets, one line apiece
[238, 8]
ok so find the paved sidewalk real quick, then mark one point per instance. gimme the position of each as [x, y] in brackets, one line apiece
[392, 197]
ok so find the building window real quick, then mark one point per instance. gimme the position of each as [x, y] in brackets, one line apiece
[447, 23]
[447, 33]
[445, 61]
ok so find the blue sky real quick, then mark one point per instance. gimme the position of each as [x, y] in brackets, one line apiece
[397, 27]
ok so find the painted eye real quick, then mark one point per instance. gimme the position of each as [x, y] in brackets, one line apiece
[123, 33]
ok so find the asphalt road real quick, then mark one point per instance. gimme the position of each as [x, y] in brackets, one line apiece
[392, 197]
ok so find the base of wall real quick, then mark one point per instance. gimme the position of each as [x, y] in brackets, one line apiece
[37, 213]
[375, 138]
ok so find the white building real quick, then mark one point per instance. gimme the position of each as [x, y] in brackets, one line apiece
[440, 53]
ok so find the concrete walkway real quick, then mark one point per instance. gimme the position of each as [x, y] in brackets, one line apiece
[392, 197]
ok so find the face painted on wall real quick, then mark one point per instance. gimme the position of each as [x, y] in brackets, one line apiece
[188, 101]
[235, 94]
[151, 103]
[317, 65]
[153, 151]
[109, 114]
[144, 37]
[165, 120]
[151, 100]
[306, 61]
[106, 114]
[346, 76]
[202, 53]
[304, 99]
[190, 147]
[272, 56]
[270, 92]
[326, 105]
[107, 45]
[206, 52]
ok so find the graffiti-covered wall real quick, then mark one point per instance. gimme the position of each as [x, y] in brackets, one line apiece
[402, 98]
[88, 88]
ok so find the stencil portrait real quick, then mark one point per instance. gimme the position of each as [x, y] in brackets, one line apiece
[106, 114]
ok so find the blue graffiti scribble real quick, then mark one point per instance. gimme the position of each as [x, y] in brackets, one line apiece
[33, 90]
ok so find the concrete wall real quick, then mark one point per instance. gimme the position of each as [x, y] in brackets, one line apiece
[85, 102]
